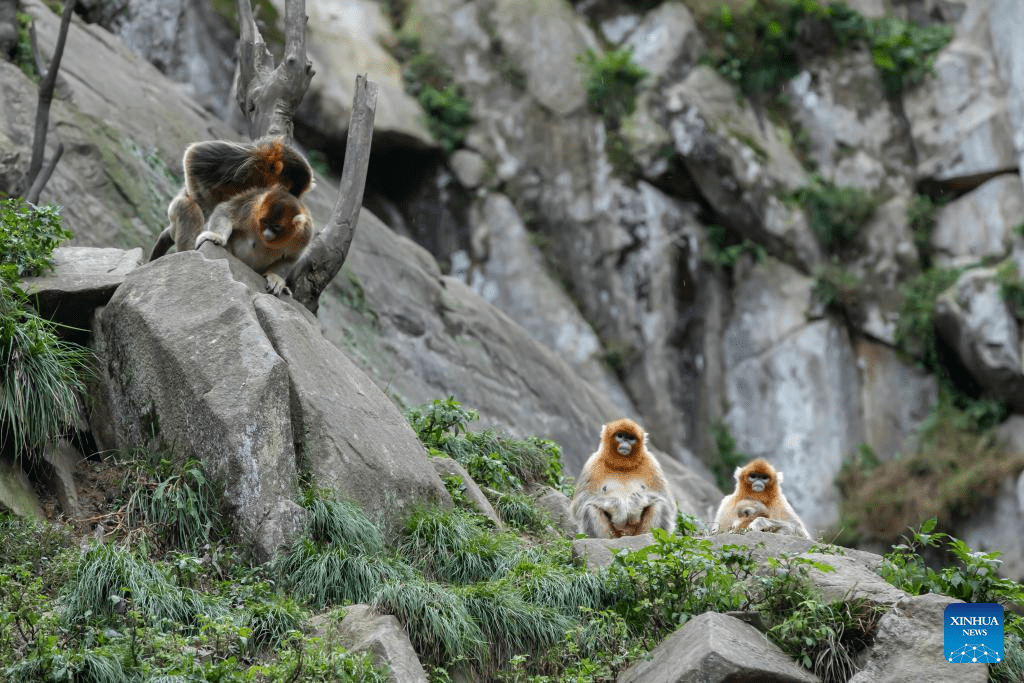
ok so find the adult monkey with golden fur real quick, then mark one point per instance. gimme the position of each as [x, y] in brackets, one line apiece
[217, 170]
[621, 490]
[758, 482]
[267, 229]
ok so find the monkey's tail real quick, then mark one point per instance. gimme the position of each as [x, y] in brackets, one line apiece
[163, 243]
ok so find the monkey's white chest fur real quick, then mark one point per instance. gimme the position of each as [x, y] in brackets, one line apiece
[626, 499]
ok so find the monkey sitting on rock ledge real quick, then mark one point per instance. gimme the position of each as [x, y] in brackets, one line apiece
[621, 490]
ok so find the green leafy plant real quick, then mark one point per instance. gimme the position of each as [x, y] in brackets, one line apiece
[611, 83]
[837, 288]
[915, 327]
[665, 584]
[825, 636]
[1011, 288]
[970, 576]
[921, 217]
[448, 111]
[835, 214]
[719, 251]
[180, 504]
[28, 236]
[760, 46]
[492, 459]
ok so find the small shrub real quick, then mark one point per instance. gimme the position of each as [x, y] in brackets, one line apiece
[28, 236]
[665, 584]
[915, 327]
[824, 636]
[448, 111]
[493, 460]
[835, 214]
[718, 251]
[182, 506]
[611, 84]
[952, 469]
[921, 218]
[760, 46]
[23, 51]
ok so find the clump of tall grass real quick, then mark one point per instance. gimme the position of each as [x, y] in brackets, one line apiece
[455, 546]
[441, 629]
[111, 578]
[339, 558]
[41, 375]
[180, 506]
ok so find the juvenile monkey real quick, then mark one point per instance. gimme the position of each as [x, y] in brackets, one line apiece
[215, 171]
[747, 510]
[621, 490]
[759, 482]
[265, 228]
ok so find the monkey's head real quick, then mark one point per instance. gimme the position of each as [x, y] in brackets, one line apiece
[281, 214]
[287, 166]
[757, 480]
[622, 440]
[750, 509]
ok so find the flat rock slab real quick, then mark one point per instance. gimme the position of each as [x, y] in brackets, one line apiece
[82, 279]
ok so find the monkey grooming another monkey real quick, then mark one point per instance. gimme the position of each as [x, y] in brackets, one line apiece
[217, 170]
[621, 490]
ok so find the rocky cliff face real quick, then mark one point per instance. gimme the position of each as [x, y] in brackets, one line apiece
[606, 264]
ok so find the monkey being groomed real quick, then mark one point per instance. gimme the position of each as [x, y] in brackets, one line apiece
[621, 490]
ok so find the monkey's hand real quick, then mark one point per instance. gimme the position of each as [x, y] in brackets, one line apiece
[210, 236]
[276, 285]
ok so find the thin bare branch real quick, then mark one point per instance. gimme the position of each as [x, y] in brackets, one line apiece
[37, 55]
[46, 88]
[32, 196]
[269, 96]
[327, 252]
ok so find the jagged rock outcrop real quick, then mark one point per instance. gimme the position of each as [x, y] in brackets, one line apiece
[716, 647]
[907, 643]
[979, 224]
[974, 320]
[245, 384]
[448, 467]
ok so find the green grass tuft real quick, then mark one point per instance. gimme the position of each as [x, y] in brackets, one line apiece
[455, 546]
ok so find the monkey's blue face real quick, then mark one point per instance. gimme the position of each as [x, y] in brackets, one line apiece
[758, 481]
[625, 442]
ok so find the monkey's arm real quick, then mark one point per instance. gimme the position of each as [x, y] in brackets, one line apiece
[780, 526]
[218, 228]
[593, 518]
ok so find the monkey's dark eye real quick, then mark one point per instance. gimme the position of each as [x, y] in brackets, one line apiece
[624, 435]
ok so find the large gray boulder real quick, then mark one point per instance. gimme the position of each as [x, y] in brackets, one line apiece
[196, 362]
[716, 648]
[364, 630]
[908, 647]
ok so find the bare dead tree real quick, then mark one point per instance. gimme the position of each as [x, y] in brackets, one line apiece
[268, 97]
[37, 175]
